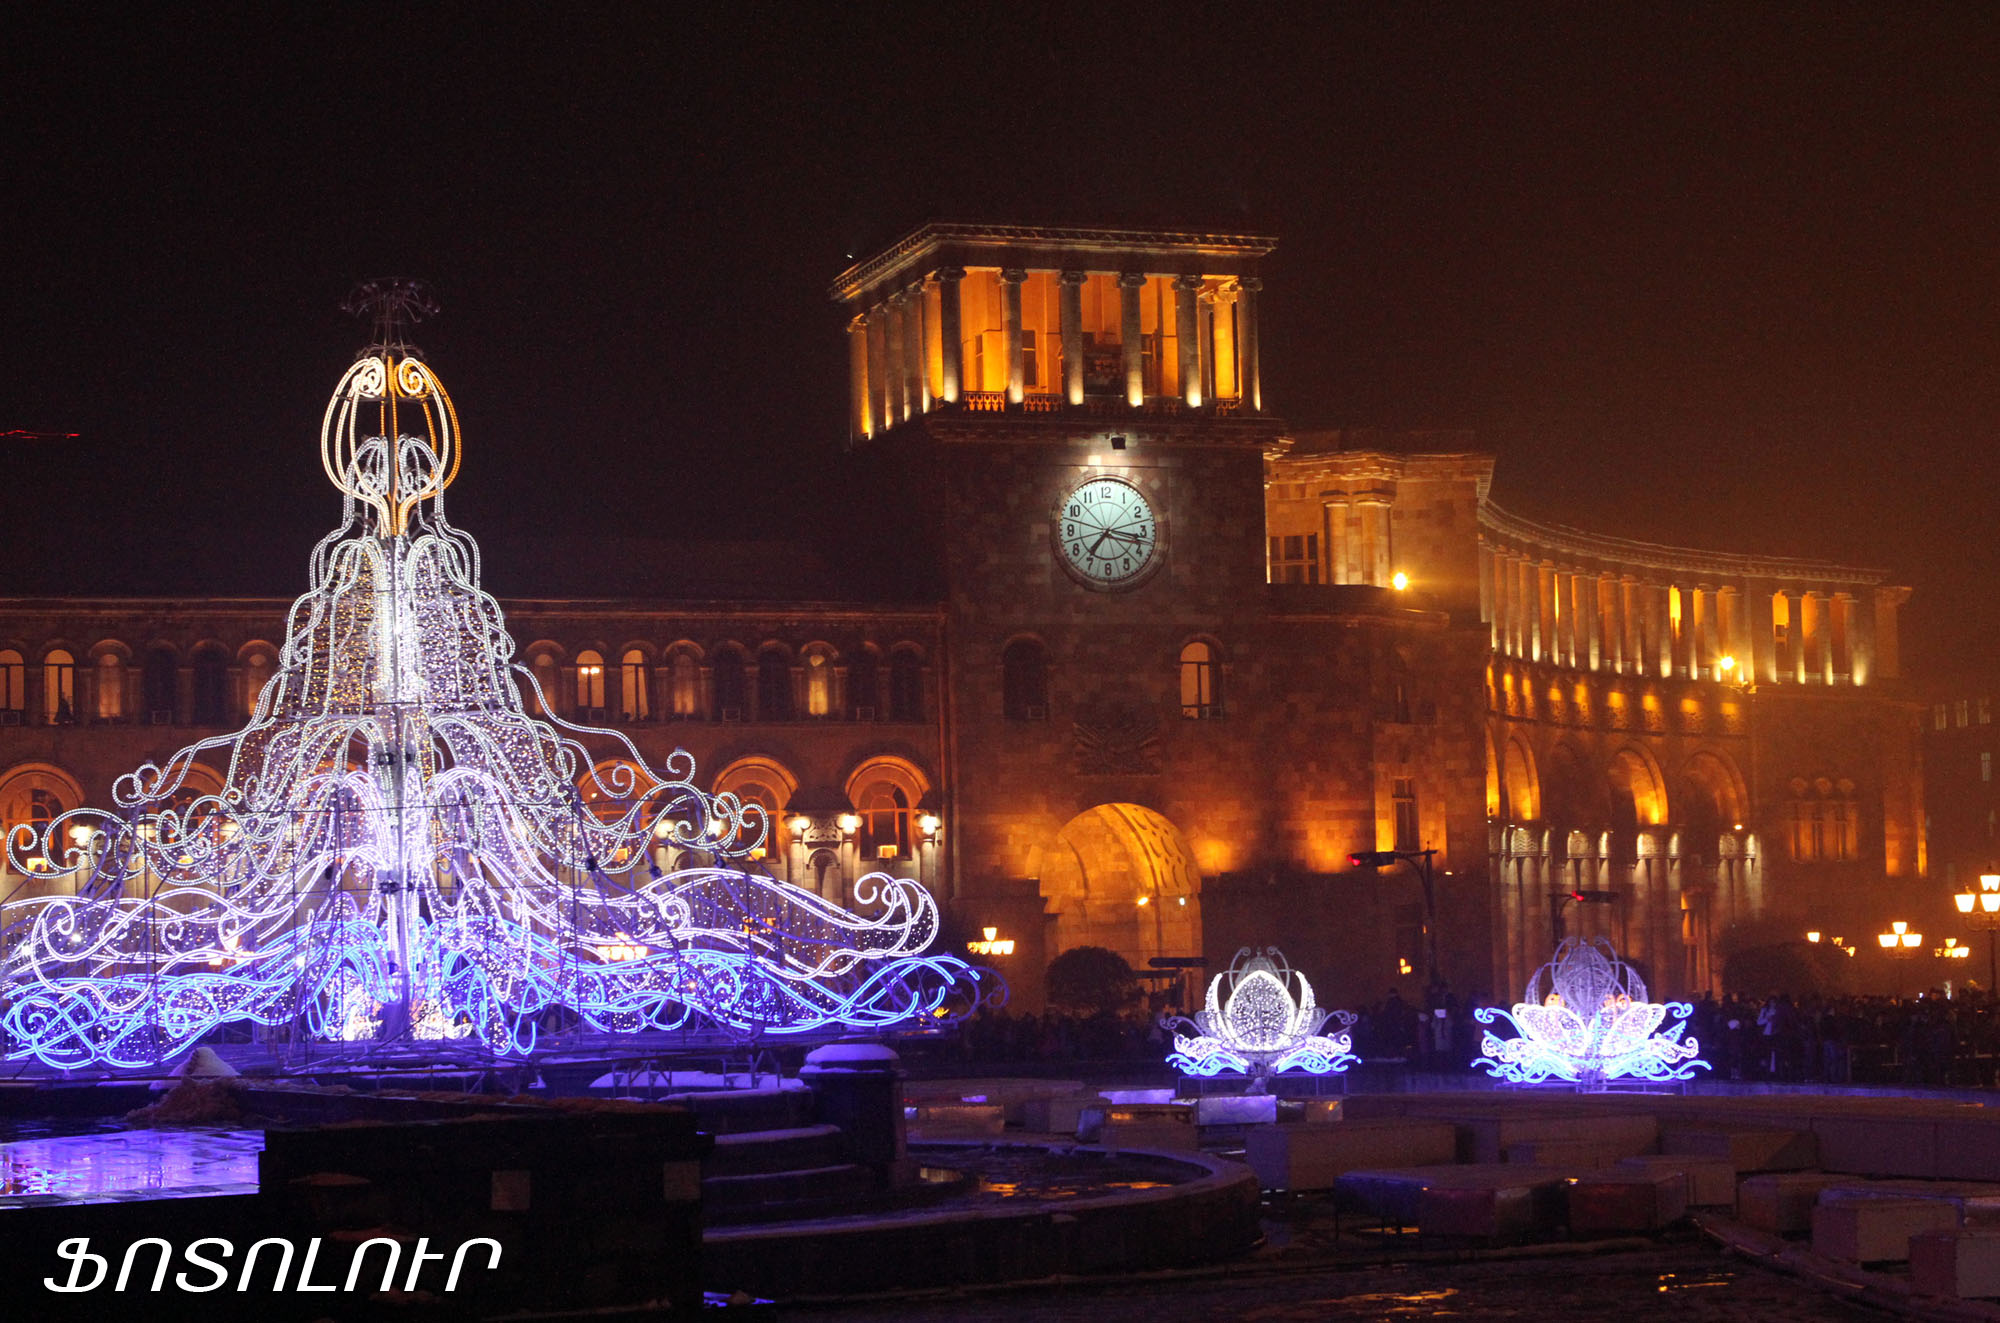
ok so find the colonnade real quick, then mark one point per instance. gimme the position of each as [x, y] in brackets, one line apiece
[1708, 618]
[891, 344]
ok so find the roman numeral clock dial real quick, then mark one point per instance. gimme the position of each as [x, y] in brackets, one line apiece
[1105, 534]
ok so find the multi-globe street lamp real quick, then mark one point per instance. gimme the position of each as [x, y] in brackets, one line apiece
[1982, 909]
[1899, 943]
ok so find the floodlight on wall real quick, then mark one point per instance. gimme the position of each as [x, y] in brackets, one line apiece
[1399, 581]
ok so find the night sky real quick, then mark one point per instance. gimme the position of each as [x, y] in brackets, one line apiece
[1720, 275]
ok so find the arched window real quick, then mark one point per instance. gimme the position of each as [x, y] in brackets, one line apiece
[110, 686]
[885, 822]
[590, 684]
[13, 682]
[1024, 681]
[819, 682]
[257, 669]
[687, 685]
[59, 688]
[774, 687]
[211, 689]
[633, 702]
[731, 693]
[159, 678]
[906, 687]
[1201, 687]
[864, 687]
[543, 666]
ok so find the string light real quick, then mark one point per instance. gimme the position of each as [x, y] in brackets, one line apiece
[399, 851]
[1584, 1018]
[1259, 1026]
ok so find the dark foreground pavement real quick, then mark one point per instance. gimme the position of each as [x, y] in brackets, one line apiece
[1690, 1282]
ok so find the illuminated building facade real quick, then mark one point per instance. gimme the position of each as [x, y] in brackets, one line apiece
[1179, 661]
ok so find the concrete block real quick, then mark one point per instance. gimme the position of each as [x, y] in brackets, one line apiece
[1236, 1109]
[1095, 1117]
[1502, 1201]
[1976, 1201]
[1056, 1115]
[1313, 1157]
[1612, 1202]
[1711, 1182]
[956, 1120]
[1579, 1154]
[1783, 1201]
[1969, 1148]
[1878, 1146]
[1958, 1265]
[1486, 1138]
[1150, 1133]
[1876, 1230]
[1747, 1149]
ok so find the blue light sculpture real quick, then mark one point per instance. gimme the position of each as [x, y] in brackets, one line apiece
[1261, 1026]
[400, 853]
[1584, 1018]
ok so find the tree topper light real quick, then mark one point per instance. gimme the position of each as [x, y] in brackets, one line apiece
[399, 852]
[1260, 1026]
[1584, 1018]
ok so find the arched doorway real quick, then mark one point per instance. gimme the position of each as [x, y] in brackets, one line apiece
[1123, 877]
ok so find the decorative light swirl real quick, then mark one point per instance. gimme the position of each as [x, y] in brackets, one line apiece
[1260, 1026]
[400, 850]
[1584, 1018]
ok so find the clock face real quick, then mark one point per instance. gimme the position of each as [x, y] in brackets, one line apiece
[1105, 533]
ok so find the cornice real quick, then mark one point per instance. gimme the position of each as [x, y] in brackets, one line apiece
[1497, 524]
[932, 237]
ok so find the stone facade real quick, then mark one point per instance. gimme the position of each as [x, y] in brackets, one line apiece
[1338, 644]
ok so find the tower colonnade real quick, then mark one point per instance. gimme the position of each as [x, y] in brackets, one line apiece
[1029, 318]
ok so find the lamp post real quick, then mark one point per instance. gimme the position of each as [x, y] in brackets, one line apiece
[1899, 943]
[1421, 861]
[1982, 907]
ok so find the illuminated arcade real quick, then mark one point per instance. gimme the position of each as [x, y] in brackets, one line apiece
[401, 853]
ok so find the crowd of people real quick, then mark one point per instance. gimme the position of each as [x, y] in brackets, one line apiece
[1929, 1040]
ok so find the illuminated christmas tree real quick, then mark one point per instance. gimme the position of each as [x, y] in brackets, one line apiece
[401, 853]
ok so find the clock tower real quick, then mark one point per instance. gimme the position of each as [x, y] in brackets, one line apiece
[1072, 423]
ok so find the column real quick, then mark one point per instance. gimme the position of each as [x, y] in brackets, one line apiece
[1225, 375]
[1840, 637]
[892, 362]
[1246, 342]
[1376, 513]
[1728, 633]
[1795, 637]
[1524, 608]
[1682, 639]
[1662, 629]
[1487, 612]
[1069, 295]
[878, 358]
[860, 418]
[1699, 624]
[1631, 608]
[1763, 646]
[1819, 664]
[916, 381]
[1129, 285]
[1612, 593]
[951, 337]
[1336, 526]
[1543, 617]
[1187, 338]
[1593, 624]
[1888, 642]
[1010, 330]
[1861, 636]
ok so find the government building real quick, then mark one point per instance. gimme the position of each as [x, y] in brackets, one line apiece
[1176, 661]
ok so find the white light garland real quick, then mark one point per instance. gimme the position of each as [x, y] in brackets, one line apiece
[1255, 1023]
[1585, 1018]
[400, 851]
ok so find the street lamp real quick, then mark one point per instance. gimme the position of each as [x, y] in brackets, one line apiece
[1899, 942]
[1982, 909]
[1421, 861]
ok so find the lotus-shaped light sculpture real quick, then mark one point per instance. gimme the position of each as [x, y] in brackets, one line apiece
[1585, 1018]
[1260, 1021]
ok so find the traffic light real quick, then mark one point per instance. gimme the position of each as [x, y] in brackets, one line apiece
[1372, 858]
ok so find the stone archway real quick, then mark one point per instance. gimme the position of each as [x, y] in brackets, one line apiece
[1123, 877]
